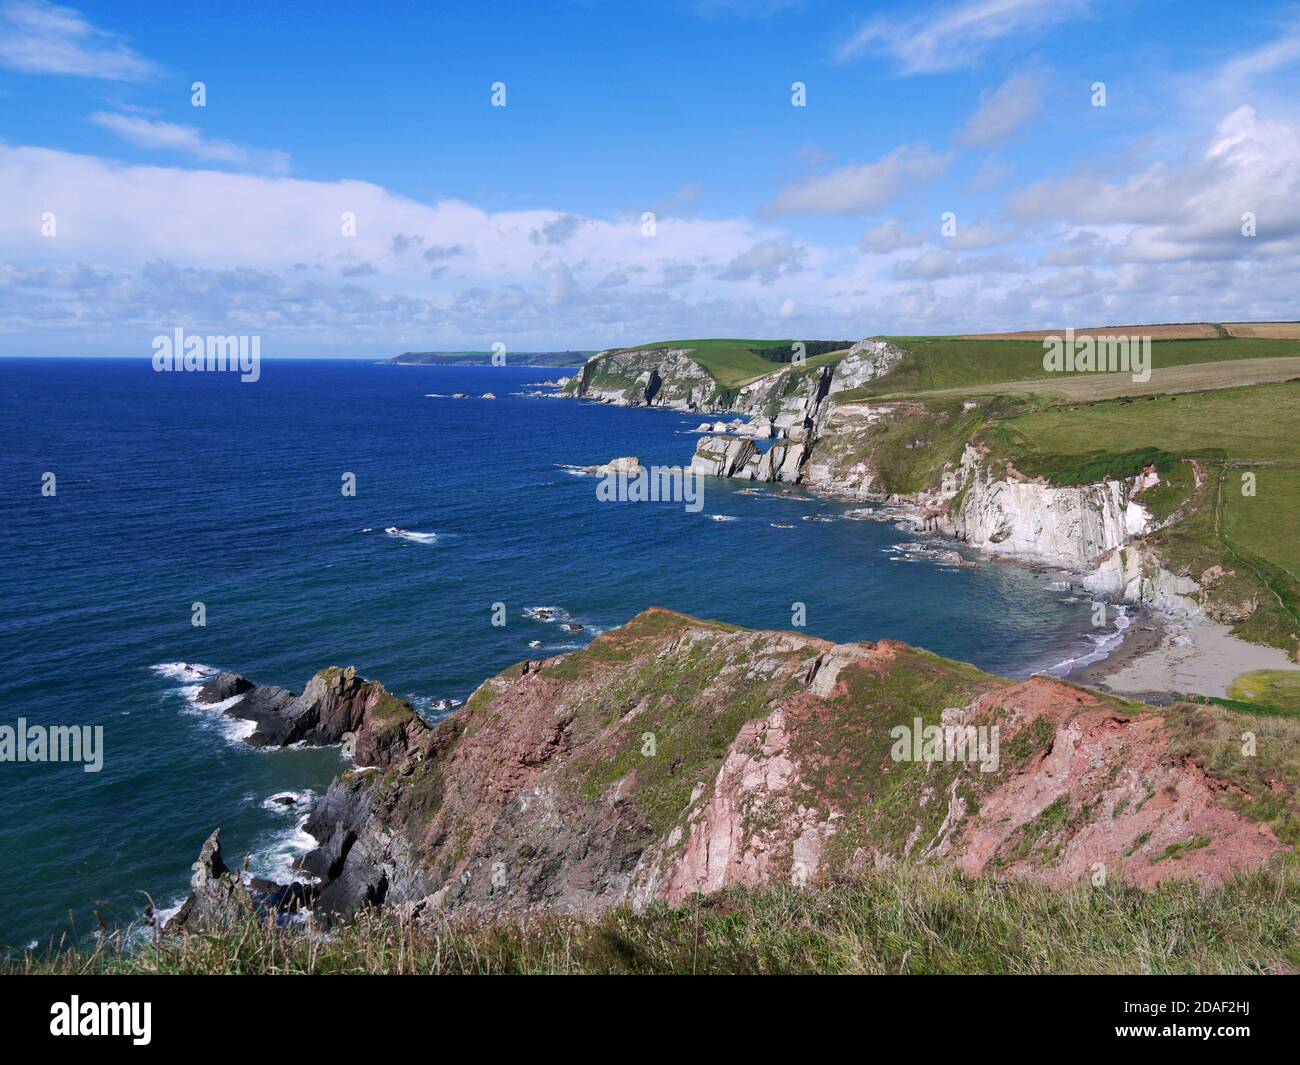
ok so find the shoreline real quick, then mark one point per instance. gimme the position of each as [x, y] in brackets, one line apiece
[1155, 658]
[1161, 658]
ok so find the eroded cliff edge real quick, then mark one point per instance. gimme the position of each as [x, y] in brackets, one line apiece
[675, 755]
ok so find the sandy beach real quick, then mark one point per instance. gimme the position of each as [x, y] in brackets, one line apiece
[1160, 657]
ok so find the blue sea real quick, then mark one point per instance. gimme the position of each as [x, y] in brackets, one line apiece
[180, 488]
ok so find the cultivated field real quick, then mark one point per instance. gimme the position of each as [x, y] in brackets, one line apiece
[939, 363]
[1178, 331]
[1168, 331]
[1194, 378]
[1270, 330]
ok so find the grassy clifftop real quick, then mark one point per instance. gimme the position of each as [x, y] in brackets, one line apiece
[905, 920]
[948, 362]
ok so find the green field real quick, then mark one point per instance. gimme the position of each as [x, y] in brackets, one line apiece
[1261, 422]
[1268, 522]
[1278, 688]
[944, 362]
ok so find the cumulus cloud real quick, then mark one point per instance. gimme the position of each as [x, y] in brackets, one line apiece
[188, 140]
[223, 251]
[1003, 112]
[938, 263]
[979, 236]
[557, 230]
[215, 228]
[891, 236]
[954, 35]
[43, 38]
[677, 274]
[765, 261]
[1193, 210]
[865, 187]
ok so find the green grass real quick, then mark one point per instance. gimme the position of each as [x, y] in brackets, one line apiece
[905, 920]
[1278, 688]
[1261, 422]
[944, 362]
[1268, 522]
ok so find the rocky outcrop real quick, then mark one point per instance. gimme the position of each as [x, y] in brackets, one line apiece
[220, 898]
[222, 687]
[1134, 574]
[867, 360]
[676, 755]
[337, 707]
[670, 377]
[723, 456]
[625, 466]
[648, 377]
[1070, 526]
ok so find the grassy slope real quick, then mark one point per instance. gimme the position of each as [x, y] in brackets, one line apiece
[944, 362]
[1260, 423]
[1278, 688]
[902, 920]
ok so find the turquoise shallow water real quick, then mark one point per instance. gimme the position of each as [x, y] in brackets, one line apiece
[177, 488]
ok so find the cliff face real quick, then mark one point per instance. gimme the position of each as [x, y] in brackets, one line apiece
[655, 377]
[670, 377]
[1070, 526]
[676, 755]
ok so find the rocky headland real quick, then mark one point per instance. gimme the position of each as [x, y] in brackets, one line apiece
[675, 756]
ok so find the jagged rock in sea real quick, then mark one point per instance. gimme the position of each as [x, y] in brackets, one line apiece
[337, 706]
[222, 687]
[627, 466]
[722, 456]
[219, 897]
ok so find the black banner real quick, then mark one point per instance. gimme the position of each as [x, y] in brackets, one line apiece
[141, 1014]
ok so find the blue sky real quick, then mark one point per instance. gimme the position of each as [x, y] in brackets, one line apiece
[522, 224]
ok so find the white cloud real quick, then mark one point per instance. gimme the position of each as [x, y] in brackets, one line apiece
[979, 236]
[1003, 112]
[765, 261]
[140, 248]
[43, 38]
[1239, 73]
[189, 140]
[269, 253]
[1195, 210]
[864, 187]
[891, 236]
[937, 263]
[955, 35]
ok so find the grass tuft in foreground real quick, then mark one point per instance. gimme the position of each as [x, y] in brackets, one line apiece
[905, 920]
